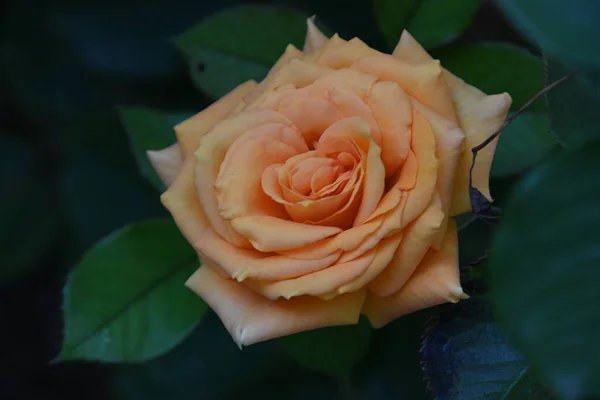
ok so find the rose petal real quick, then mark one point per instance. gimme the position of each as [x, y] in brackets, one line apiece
[268, 233]
[392, 112]
[345, 241]
[251, 318]
[210, 154]
[167, 162]
[400, 207]
[449, 139]
[316, 283]
[181, 201]
[315, 39]
[238, 184]
[424, 82]
[384, 254]
[435, 281]
[480, 115]
[192, 129]
[241, 264]
[417, 239]
[338, 54]
[374, 179]
[292, 68]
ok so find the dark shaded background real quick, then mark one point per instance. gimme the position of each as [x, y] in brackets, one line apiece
[68, 177]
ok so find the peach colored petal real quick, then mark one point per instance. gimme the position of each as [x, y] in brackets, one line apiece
[210, 154]
[349, 79]
[181, 201]
[341, 54]
[384, 254]
[374, 180]
[315, 211]
[312, 116]
[409, 50]
[424, 82]
[167, 162]
[449, 139]
[292, 68]
[241, 264]
[315, 39]
[392, 112]
[192, 129]
[346, 241]
[351, 105]
[417, 239]
[479, 115]
[238, 185]
[435, 281]
[316, 283]
[424, 146]
[251, 318]
[267, 233]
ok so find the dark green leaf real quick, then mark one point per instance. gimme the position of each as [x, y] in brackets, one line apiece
[126, 300]
[544, 268]
[335, 350]
[466, 357]
[209, 365]
[568, 30]
[148, 130]
[238, 44]
[496, 68]
[393, 16]
[440, 21]
[573, 105]
[28, 213]
[522, 144]
[431, 22]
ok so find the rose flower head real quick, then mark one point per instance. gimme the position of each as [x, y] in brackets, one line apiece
[327, 190]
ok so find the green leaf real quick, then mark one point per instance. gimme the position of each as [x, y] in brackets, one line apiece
[148, 130]
[466, 357]
[496, 68]
[126, 300]
[431, 22]
[440, 21]
[522, 144]
[30, 221]
[573, 105]
[544, 269]
[238, 44]
[568, 30]
[334, 350]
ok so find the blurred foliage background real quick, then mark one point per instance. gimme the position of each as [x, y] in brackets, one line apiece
[82, 84]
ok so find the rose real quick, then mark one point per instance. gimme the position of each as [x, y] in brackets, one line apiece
[326, 190]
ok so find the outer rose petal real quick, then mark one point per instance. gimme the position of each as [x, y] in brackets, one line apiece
[417, 239]
[181, 201]
[192, 129]
[167, 162]
[315, 39]
[435, 281]
[241, 264]
[316, 283]
[251, 318]
[479, 115]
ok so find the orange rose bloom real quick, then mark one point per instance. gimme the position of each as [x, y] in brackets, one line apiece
[326, 190]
